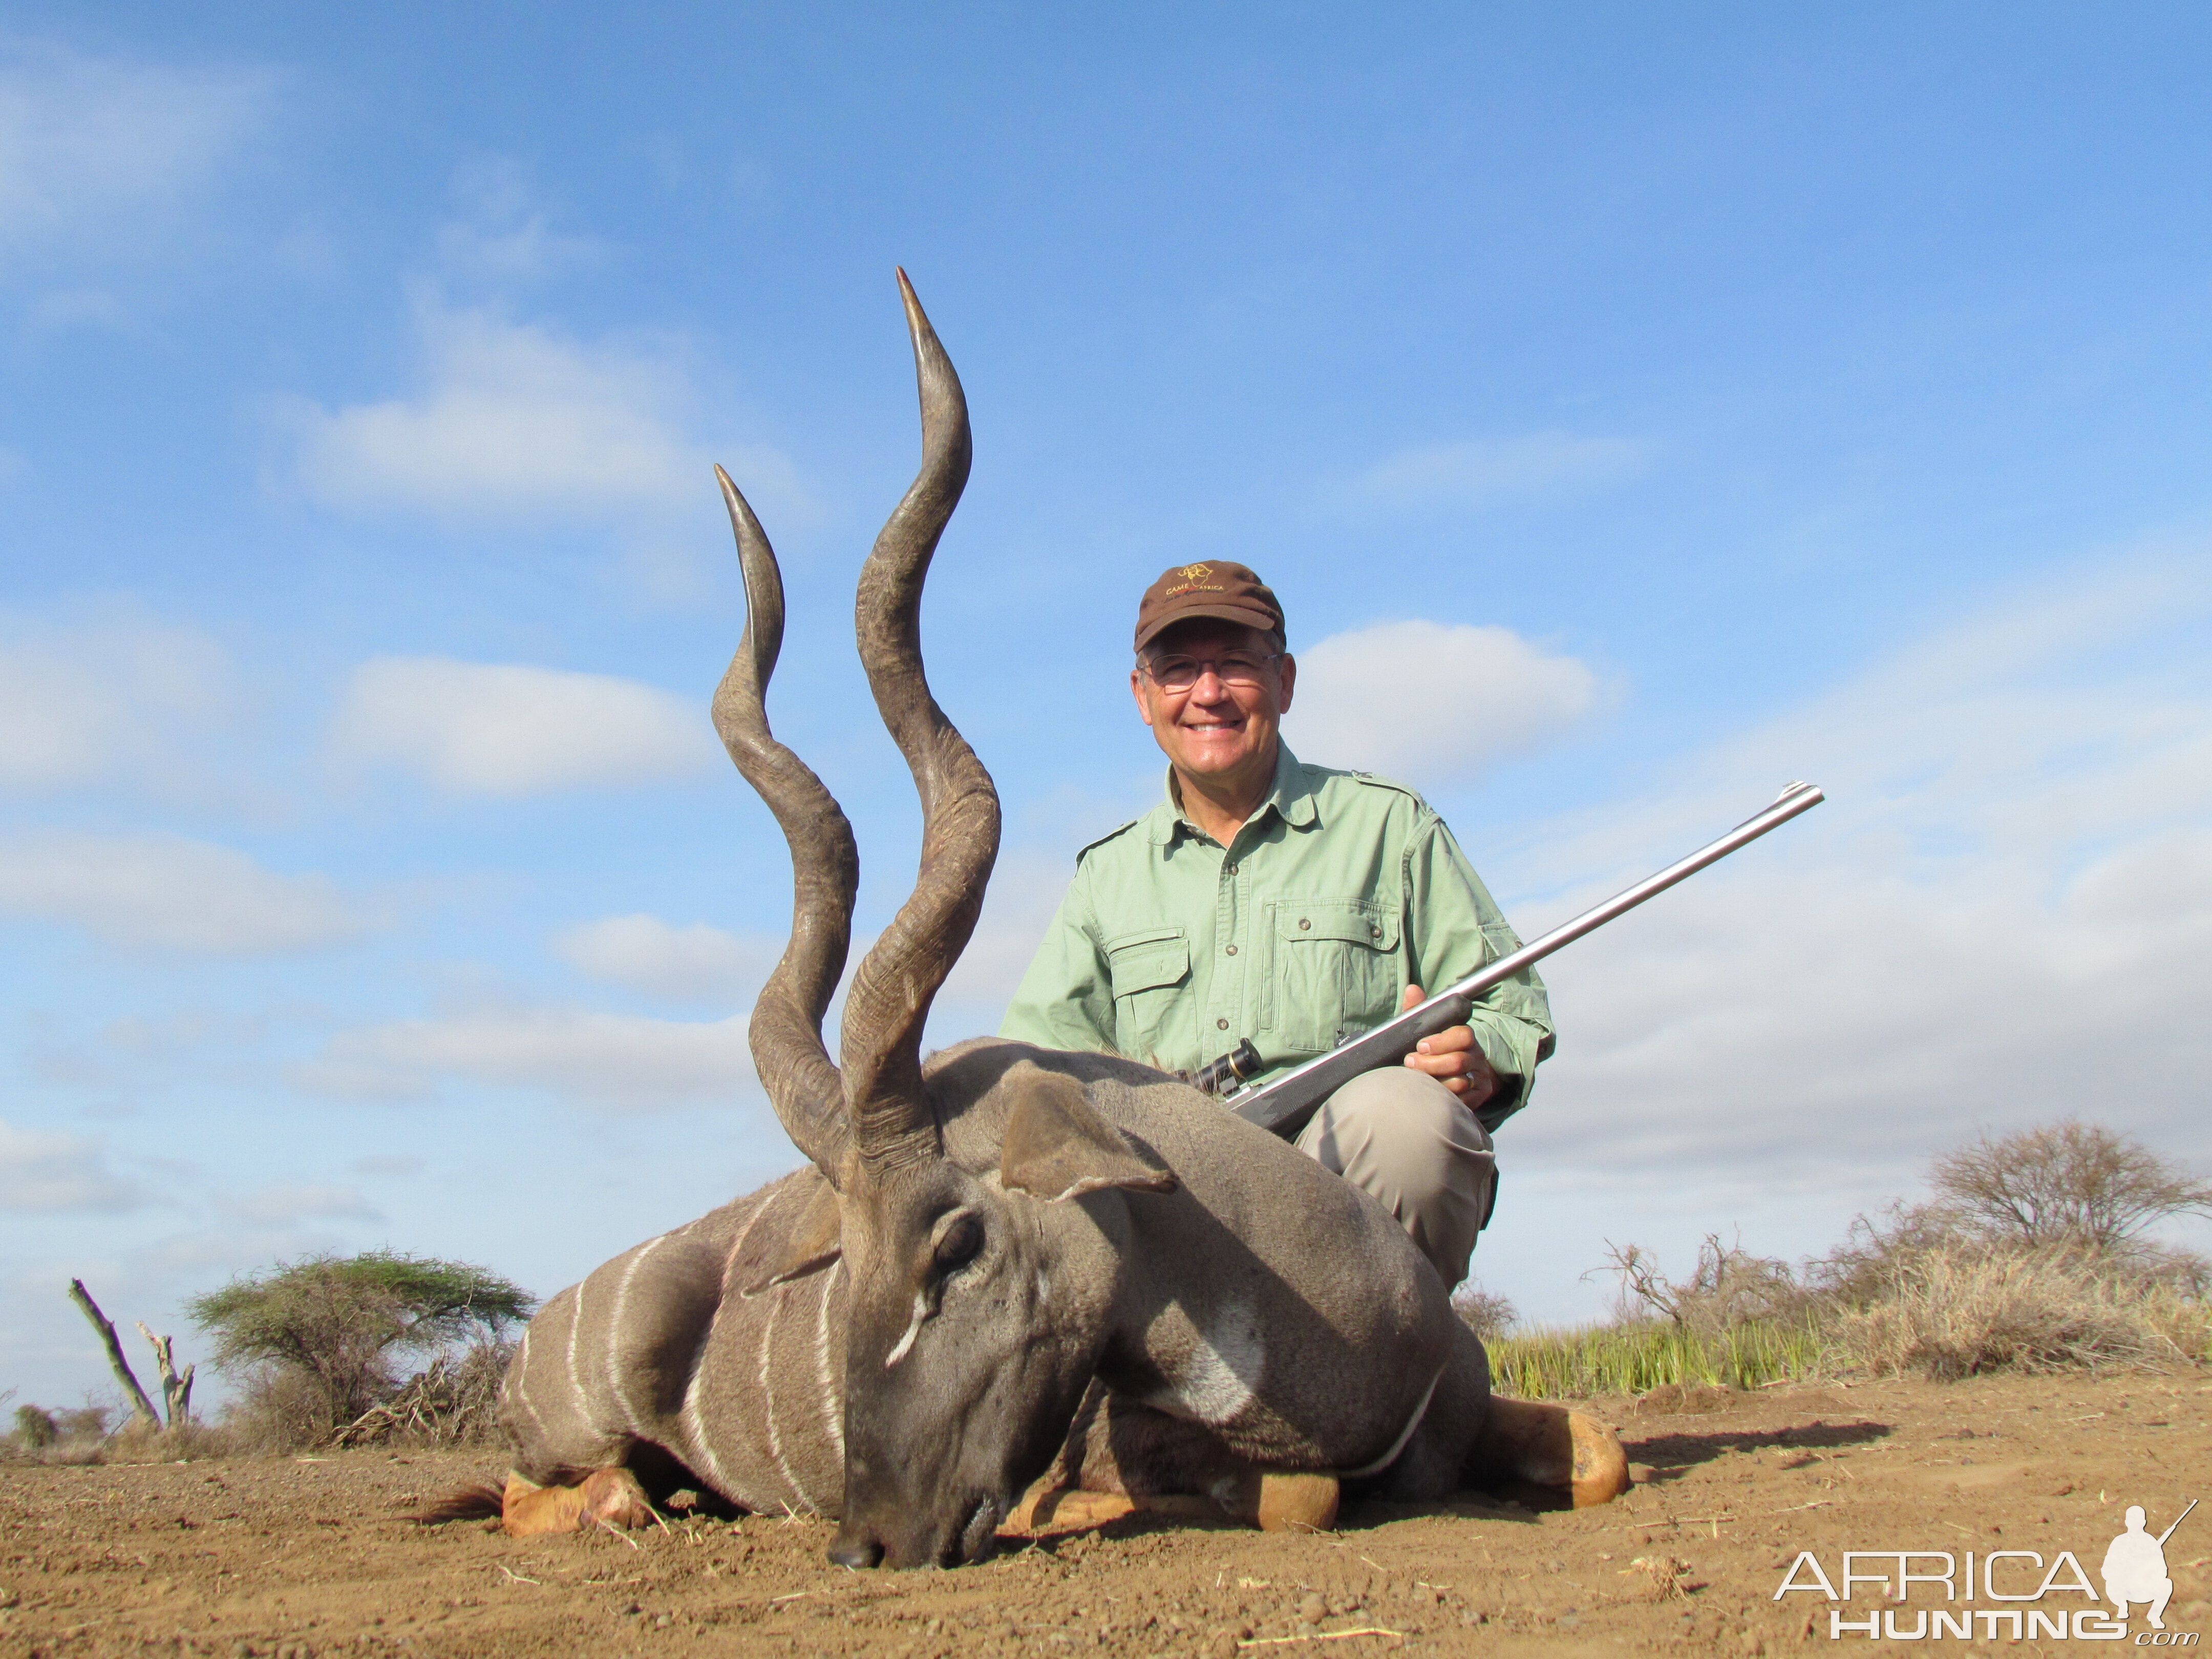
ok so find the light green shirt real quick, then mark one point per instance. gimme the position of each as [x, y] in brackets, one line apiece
[1340, 891]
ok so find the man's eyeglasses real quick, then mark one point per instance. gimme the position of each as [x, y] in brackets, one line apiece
[1237, 668]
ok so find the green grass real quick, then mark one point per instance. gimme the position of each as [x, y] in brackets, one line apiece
[1617, 1359]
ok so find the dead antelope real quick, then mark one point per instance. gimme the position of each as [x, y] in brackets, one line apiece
[902, 1334]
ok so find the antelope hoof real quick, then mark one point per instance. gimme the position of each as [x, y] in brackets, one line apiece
[1279, 1501]
[1297, 1503]
[610, 1496]
[1550, 1446]
[1064, 1509]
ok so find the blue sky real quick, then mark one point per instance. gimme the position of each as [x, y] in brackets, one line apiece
[1635, 408]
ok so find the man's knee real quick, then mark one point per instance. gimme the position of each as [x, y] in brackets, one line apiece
[1400, 1123]
[1402, 1137]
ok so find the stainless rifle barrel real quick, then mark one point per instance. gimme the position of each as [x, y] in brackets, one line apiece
[1285, 1103]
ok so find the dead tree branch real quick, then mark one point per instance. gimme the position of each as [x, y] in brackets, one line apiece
[106, 1327]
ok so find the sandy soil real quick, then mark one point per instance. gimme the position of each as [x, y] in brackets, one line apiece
[284, 1558]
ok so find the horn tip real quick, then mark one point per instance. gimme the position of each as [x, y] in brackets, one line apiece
[917, 319]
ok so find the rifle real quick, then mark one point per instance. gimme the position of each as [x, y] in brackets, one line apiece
[1284, 1105]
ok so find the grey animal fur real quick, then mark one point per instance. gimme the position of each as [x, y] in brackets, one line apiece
[1271, 1307]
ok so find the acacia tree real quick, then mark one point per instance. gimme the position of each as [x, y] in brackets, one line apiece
[337, 1322]
[2067, 1184]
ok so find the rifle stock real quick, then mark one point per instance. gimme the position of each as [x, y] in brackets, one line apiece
[1284, 1105]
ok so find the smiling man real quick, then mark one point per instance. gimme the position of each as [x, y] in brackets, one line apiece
[1293, 904]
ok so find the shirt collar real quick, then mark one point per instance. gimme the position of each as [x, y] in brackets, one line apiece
[1290, 797]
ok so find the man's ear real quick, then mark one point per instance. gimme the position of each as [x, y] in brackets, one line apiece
[1289, 678]
[1137, 690]
[813, 1244]
[1057, 1147]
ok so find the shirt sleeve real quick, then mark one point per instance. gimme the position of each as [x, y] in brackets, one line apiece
[1067, 997]
[1453, 928]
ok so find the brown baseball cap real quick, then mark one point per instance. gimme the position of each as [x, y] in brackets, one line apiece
[1220, 588]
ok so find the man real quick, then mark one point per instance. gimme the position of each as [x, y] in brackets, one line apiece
[1295, 905]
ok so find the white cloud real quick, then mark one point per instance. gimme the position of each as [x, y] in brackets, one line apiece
[515, 419]
[48, 1172]
[2003, 915]
[93, 144]
[506, 729]
[164, 890]
[1431, 703]
[286, 1203]
[618, 1061]
[648, 954]
[117, 699]
[1483, 471]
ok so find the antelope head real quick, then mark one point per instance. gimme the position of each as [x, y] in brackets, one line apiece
[979, 1296]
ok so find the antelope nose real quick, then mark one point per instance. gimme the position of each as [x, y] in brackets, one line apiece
[856, 1552]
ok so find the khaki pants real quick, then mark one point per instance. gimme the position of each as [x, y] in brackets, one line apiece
[1402, 1137]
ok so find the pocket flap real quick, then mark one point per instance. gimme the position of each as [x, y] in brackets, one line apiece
[1144, 961]
[1352, 921]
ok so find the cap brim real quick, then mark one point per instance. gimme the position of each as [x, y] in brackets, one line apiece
[1241, 614]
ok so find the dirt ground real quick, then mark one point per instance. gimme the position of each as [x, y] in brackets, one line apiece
[284, 1557]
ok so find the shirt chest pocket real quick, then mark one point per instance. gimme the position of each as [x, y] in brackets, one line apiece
[1151, 974]
[1336, 973]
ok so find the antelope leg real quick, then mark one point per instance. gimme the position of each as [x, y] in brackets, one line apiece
[1550, 1446]
[611, 1496]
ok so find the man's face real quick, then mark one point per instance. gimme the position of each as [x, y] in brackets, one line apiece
[1220, 729]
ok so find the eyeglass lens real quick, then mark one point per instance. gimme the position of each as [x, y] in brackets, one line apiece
[1181, 674]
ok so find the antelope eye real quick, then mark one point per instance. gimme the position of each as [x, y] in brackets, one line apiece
[962, 1244]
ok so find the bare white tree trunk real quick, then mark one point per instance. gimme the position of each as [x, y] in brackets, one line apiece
[176, 1386]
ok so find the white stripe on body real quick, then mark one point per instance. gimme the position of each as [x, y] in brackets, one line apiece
[696, 1425]
[576, 1378]
[520, 1371]
[832, 1411]
[746, 1231]
[614, 1331]
[781, 1293]
[1404, 1435]
[690, 1416]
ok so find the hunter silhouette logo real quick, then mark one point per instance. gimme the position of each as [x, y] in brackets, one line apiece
[2135, 1567]
[2134, 1572]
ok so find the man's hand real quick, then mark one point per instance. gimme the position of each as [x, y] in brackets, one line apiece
[1451, 1057]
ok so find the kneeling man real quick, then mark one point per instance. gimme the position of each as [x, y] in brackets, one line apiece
[1293, 904]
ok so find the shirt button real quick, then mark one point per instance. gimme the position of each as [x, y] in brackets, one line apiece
[1221, 1024]
[1228, 869]
[1304, 924]
[1375, 933]
[1232, 950]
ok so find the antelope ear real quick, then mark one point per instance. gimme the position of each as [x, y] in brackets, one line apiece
[812, 1245]
[1057, 1147]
